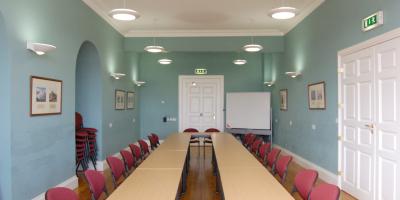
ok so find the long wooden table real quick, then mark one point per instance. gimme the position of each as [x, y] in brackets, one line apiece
[160, 175]
[240, 175]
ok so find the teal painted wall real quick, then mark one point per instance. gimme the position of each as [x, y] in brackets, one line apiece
[42, 152]
[5, 136]
[162, 83]
[312, 48]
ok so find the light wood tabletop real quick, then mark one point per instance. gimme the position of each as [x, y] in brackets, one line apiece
[145, 184]
[176, 141]
[242, 176]
[169, 159]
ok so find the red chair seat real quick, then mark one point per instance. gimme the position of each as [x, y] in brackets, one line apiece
[325, 191]
[61, 193]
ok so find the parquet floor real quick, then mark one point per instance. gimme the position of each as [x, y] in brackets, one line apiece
[201, 182]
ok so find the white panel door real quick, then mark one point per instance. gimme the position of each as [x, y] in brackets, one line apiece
[357, 125]
[201, 102]
[388, 123]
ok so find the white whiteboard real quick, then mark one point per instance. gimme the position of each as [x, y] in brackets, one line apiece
[248, 110]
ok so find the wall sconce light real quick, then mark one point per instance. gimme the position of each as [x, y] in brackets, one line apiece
[139, 83]
[269, 83]
[293, 74]
[117, 75]
[39, 48]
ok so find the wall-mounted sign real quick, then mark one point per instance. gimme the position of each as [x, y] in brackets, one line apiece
[372, 21]
[200, 71]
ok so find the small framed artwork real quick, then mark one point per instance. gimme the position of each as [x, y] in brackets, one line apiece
[316, 96]
[130, 100]
[46, 96]
[120, 97]
[283, 94]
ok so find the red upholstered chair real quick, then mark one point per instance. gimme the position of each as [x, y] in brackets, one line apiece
[246, 138]
[137, 153]
[271, 158]
[212, 130]
[282, 167]
[129, 160]
[263, 152]
[153, 141]
[191, 130]
[250, 141]
[117, 169]
[144, 147]
[61, 193]
[155, 136]
[255, 146]
[325, 191]
[80, 150]
[97, 183]
[304, 182]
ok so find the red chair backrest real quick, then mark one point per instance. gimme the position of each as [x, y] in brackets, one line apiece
[116, 166]
[246, 138]
[325, 191]
[272, 156]
[304, 181]
[128, 158]
[256, 144]
[153, 141]
[155, 136]
[264, 150]
[144, 146]
[136, 151]
[282, 165]
[250, 140]
[212, 130]
[61, 193]
[97, 183]
[78, 121]
[191, 130]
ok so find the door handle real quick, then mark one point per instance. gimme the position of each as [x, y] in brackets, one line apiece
[371, 127]
[201, 114]
[214, 116]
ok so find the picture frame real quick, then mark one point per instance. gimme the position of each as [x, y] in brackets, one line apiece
[45, 96]
[120, 99]
[130, 100]
[283, 96]
[316, 96]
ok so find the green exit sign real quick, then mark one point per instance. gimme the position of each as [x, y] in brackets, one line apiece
[372, 21]
[201, 71]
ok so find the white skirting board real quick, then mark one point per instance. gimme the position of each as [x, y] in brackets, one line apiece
[71, 183]
[323, 174]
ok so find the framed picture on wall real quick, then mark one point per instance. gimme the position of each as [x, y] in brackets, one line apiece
[46, 96]
[316, 96]
[130, 100]
[120, 97]
[283, 95]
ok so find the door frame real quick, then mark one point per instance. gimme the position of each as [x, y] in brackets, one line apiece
[220, 104]
[344, 52]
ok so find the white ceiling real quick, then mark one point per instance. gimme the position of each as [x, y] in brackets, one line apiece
[197, 18]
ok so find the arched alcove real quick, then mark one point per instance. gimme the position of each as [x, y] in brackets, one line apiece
[88, 92]
[5, 136]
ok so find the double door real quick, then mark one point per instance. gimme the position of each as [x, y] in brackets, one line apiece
[369, 95]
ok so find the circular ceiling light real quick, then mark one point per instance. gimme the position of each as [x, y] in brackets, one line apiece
[239, 62]
[124, 14]
[283, 13]
[165, 61]
[154, 49]
[252, 47]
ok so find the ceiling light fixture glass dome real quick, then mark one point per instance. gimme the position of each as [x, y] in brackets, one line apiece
[283, 12]
[239, 62]
[154, 49]
[124, 14]
[252, 47]
[165, 61]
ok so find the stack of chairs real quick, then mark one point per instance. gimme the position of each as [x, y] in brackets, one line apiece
[85, 141]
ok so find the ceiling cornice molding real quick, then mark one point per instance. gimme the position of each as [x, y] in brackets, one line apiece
[96, 7]
[204, 33]
[304, 13]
